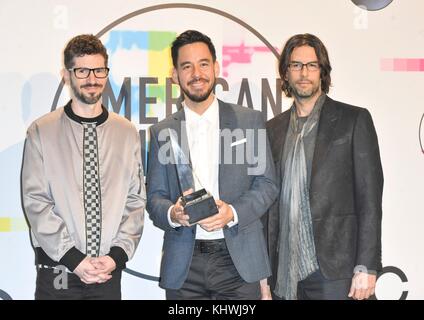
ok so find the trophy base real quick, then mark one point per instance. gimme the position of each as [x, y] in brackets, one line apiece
[199, 205]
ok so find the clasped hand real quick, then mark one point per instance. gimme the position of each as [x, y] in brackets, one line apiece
[95, 270]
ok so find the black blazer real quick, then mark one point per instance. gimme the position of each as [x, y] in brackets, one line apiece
[345, 192]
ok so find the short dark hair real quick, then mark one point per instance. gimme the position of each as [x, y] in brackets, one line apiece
[188, 37]
[82, 45]
[300, 40]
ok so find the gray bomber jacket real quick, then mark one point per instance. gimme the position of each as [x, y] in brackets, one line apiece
[52, 187]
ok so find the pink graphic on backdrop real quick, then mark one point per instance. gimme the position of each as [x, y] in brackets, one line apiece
[402, 64]
[239, 54]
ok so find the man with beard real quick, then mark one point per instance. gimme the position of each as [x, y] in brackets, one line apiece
[82, 185]
[224, 255]
[324, 232]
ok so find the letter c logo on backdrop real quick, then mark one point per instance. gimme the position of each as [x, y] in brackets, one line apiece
[421, 134]
[4, 295]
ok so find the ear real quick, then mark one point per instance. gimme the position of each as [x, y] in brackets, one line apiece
[65, 75]
[175, 76]
[216, 68]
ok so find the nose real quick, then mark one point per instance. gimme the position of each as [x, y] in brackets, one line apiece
[196, 71]
[304, 70]
[91, 76]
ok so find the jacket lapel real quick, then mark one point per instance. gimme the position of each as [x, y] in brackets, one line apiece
[180, 128]
[177, 123]
[277, 132]
[326, 129]
[179, 117]
[227, 120]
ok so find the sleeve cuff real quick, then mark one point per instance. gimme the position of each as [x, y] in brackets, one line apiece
[172, 224]
[72, 258]
[119, 256]
[364, 269]
[235, 218]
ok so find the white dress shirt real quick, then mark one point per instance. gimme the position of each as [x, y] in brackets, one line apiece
[203, 139]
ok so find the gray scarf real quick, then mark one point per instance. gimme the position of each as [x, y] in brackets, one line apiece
[297, 257]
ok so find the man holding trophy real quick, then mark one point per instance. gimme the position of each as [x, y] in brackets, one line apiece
[210, 179]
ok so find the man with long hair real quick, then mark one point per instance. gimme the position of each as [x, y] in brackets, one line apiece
[324, 231]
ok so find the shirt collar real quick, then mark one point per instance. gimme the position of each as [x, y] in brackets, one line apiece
[211, 115]
[101, 118]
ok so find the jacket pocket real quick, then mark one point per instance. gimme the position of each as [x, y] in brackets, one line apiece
[340, 141]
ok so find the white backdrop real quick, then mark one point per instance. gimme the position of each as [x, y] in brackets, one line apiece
[377, 59]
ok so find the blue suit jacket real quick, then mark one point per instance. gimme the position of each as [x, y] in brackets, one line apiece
[250, 195]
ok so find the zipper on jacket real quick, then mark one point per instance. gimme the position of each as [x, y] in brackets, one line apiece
[139, 178]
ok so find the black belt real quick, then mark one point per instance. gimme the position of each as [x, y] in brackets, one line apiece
[58, 267]
[210, 246]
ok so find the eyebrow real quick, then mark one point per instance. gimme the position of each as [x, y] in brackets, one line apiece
[182, 64]
[315, 61]
[74, 67]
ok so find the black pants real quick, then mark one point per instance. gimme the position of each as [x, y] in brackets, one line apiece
[316, 287]
[212, 275]
[60, 285]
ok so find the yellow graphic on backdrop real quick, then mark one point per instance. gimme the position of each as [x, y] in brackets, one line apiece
[8, 224]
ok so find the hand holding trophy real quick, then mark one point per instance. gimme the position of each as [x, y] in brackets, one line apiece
[197, 204]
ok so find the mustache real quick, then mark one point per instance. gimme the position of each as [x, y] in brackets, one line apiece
[91, 85]
[197, 79]
[304, 80]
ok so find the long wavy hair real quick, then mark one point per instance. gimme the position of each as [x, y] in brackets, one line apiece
[300, 40]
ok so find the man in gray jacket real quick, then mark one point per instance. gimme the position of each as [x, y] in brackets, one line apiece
[222, 256]
[82, 185]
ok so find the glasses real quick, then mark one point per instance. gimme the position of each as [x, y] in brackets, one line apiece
[83, 73]
[298, 66]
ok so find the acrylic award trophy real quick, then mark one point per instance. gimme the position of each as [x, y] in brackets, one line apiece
[199, 204]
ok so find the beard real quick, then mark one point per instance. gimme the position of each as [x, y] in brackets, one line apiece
[86, 98]
[198, 97]
[304, 93]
